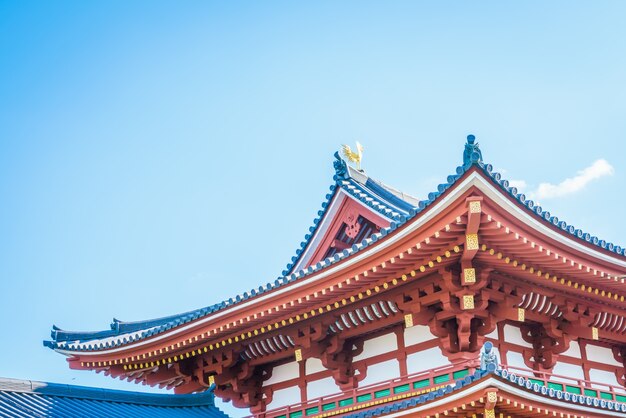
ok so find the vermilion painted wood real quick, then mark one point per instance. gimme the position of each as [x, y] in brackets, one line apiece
[496, 293]
[348, 206]
[332, 280]
[430, 374]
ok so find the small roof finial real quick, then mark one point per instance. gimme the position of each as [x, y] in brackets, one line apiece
[341, 169]
[471, 153]
[488, 358]
[354, 156]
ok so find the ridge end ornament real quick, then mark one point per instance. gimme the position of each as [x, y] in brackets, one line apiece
[488, 357]
[353, 156]
[471, 153]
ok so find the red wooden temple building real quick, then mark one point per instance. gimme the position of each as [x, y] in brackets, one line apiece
[390, 307]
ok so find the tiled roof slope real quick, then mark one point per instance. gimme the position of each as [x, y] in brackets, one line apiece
[23, 398]
[394, 205]
[382, 199]
[616, 408]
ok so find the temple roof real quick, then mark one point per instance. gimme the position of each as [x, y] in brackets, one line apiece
[515, 394]
[24, 398]
[397, 207]
[377, 196]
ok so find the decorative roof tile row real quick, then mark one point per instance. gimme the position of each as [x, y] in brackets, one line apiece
[20, 398]
[128, 332]
[520, 381]
[122, 333]
[560, 395]
[369, 193]
[361, 194]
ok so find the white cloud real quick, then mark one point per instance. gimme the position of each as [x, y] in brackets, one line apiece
[598, 169]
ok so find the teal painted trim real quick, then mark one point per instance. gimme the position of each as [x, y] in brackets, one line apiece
[382, 393]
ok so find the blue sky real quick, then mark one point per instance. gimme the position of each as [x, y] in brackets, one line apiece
[161, 156]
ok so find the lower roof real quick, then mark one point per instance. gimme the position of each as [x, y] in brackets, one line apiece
[25, 398]
[529, 399]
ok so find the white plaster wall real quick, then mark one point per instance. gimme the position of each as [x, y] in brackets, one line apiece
[572, 371]
[284, 397]
[425, 360]
[601, 355]
[313, 365]
[493, 334]
[417, 334]
[516, 360]
[573, 350]
[380, 372]
[322, 387]
[379, 345]
[602, 376]
[284, 372]
[513, 335]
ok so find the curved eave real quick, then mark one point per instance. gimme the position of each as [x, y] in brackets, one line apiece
[538, 220]
[546, 217]
[476, 175]
[123, 333]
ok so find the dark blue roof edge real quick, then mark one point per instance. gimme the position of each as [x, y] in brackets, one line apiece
[545, 215]
[122, 327]
[528, 384]
[387, 195]
[312, 230]
[471, 158]
[163, 324]
[342, 173]
[206, 398]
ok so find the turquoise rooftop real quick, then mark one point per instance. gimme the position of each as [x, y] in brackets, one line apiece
[27, 399]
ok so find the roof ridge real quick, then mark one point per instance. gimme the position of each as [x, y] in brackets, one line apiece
[472, 157]
[205, 398]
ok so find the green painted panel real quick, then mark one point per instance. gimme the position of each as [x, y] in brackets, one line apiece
[421, 384]
[402, 388]
[539, 382]
[346, 402]
[555, 386]
[363, 398]
[620, 398]
[382, 393]
[460, 374]
[606, 395]
[328, 406]
[573, 389]
[442, 379]
[282, 416]
[589, 392]
[312, 411]
[297, 414]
